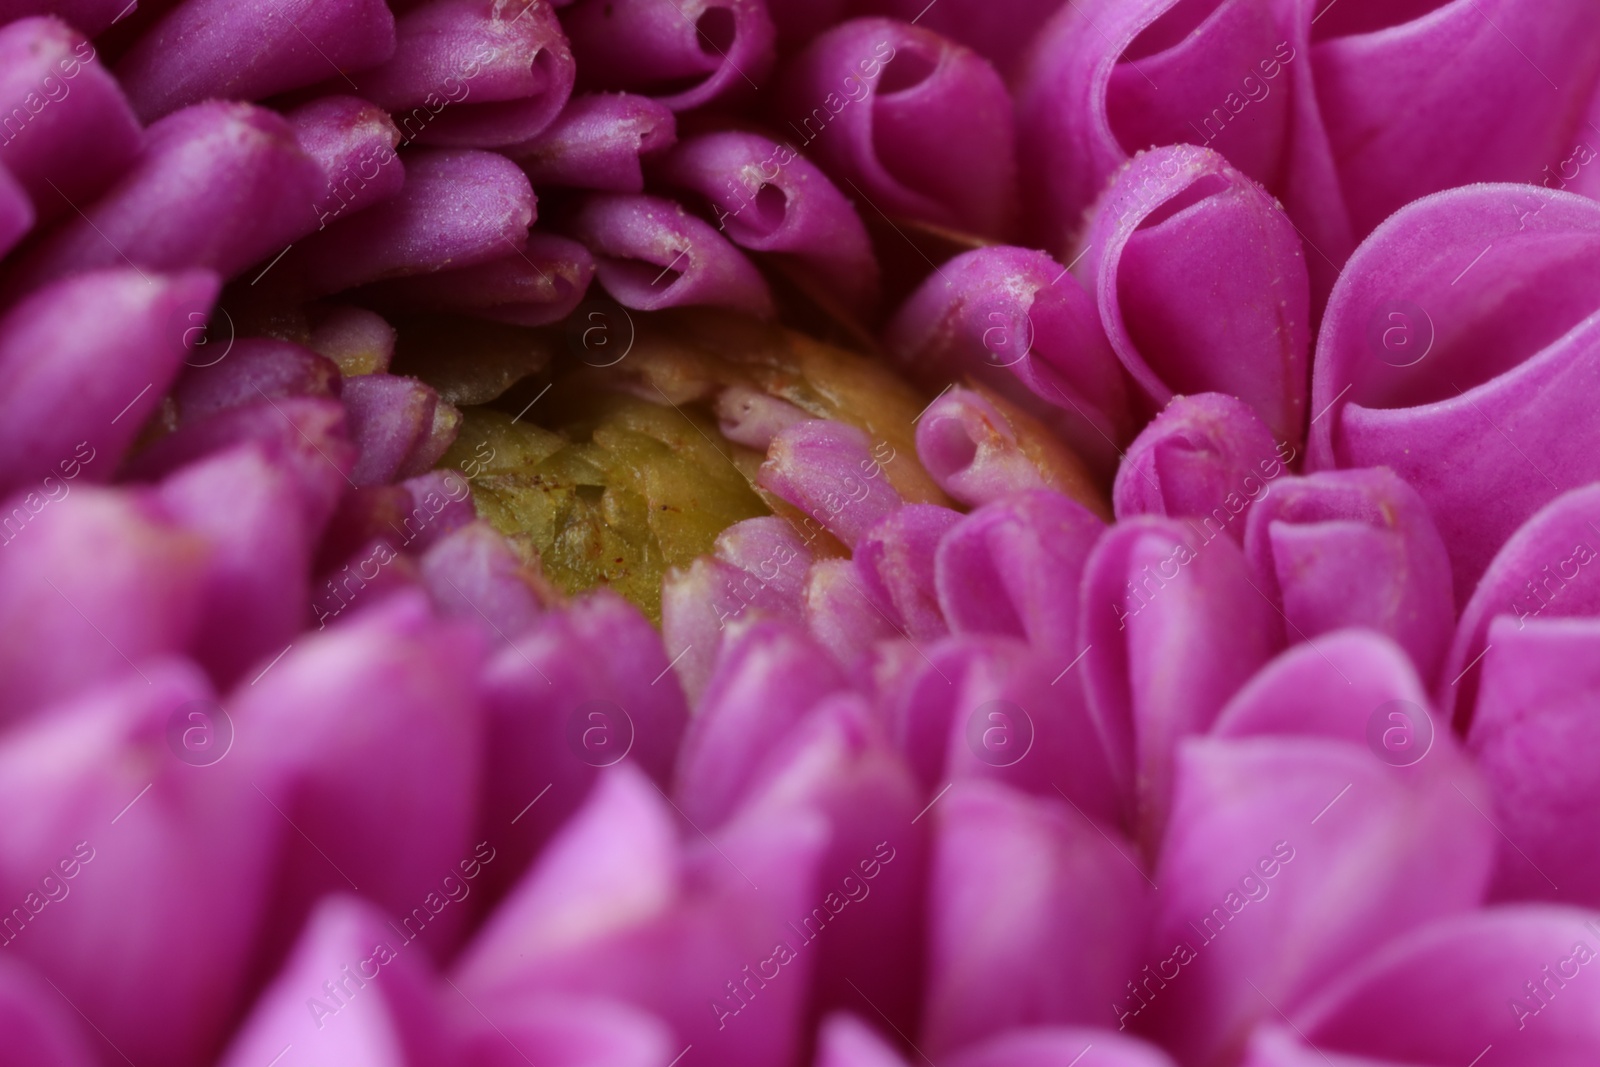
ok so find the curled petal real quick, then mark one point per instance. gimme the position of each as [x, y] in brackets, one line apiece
[67, 123]
[102, 580]
[1285, 877]
[1354, 548]
[895, 91]
[218, 49]
[837, 762]
[1172, 628]
[219, 186]
[389, 417]
[1019, 884]
[1205, 457]
[1235, 76]
[385, 697]
[1444, 993]
[473, 573]
[190, 859]
[1013, 567]
[998, 32]
[353, 142]
[1201, 284]
[752, 418]
[1014, 319]
[388, 1010]
[1391, 145]
[702, 51]
[829, 471]
[651, 253]
[358, 340]
[980, 449]
[474, 73]
[1537, 713]
[768, 198]
[895, 559]
[255, 596]
[456, 209]
[540, 282]
[582, 689]
[308, 434]
[1541, 571]
[1461, 338]
[768, 676]
[841, 616]
[615, 907]
[598, 142]
[254, 368]
[84, 362]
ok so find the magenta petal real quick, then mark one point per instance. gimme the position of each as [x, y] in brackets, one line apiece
[16, 212]
[684, 56]
[1048, 1046]
[1014, 566]
[597, 142]
[1288, 859]
[101, 581]
[353, 142]
[1537, 716]
[208, 49]
[474, 73]
[91, 15]
[69, 130]
[768, 675]
[768, 198]
[255, 596]
[252, 369]
[1507, 977]
[1020, 886]
[1354, 548]
[1201, 284]
[1540, 571]
[650, 253]
[891, 145]
[1458, 349]
[83, 364]
[827, 470]
[838, 762]
[342, 729]
[358, 340]
[38, 1027]
[842, 617]
[457, 208]
[472, 572]
[219, 186]
[1014, 319]
[306, 434]
[539, 282]
[389, 417]
[895, 559]
[561, 1031]
[967, 445]
[1432, 125]
[752, 418]
[616, 907]
[581, 690]
[1172, 628]
[120, 843]
[1206, 457]
[844, 1041]
[349, 993]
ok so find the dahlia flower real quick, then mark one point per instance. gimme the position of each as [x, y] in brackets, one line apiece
[761, 533]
